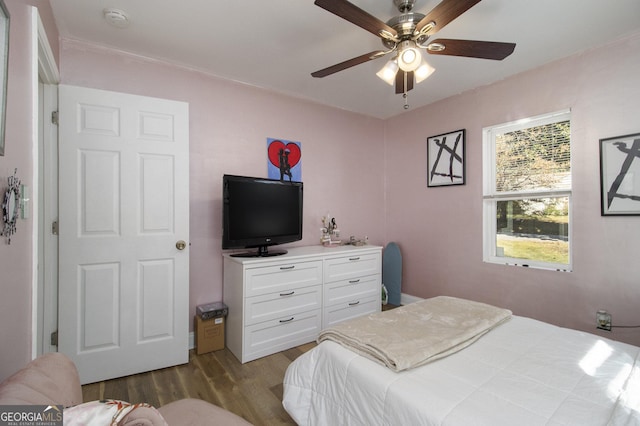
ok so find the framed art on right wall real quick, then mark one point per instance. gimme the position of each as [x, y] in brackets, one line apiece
[620, 175]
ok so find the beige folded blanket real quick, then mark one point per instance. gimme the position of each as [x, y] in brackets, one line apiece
[418, 333]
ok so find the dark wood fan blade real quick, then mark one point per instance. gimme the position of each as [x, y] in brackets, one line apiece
[445, 12]
[355, 15]
[348, 64]
[400, 80]
[471, 48]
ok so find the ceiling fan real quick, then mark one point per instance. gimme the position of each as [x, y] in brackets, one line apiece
[405, 35]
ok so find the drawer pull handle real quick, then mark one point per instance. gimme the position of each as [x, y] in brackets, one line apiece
[284, 268]
[287, 294]
[354, 303]
[354, 281]
[354, 258]
[287, 320]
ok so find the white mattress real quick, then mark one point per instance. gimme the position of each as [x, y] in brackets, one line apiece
[524, 372]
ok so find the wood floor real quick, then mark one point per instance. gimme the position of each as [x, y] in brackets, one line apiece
[252, 390]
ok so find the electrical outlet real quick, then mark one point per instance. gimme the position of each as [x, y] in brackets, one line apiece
[603, 320]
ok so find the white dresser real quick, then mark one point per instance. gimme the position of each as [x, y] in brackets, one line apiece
[276, 303]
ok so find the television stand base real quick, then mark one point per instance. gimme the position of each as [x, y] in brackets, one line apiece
[261, 252]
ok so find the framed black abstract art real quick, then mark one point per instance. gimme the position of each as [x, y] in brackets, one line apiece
[446, 159]
[620, 175]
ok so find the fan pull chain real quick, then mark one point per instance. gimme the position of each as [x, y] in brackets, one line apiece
[405, 94]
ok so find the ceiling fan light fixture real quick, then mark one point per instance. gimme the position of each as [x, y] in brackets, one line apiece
[388, 72]
[423, 71]
[409, 58]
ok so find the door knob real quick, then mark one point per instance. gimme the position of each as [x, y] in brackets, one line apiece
[180, 245]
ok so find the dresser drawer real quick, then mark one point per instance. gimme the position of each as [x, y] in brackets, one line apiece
[277, 335]
[351, 290]
[282, 277]
[344, 311]
[354, 266]
[286, 303]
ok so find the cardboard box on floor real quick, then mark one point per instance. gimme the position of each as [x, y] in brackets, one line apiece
[209, 334]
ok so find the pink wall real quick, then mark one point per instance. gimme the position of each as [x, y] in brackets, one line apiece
[229, 126]
[440, 229]
[16, 259]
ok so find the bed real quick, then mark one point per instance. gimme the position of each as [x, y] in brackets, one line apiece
[518, 372]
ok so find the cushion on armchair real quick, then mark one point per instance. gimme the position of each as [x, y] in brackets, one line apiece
[112, 412]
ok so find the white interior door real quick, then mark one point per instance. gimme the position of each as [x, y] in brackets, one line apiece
[123, 209]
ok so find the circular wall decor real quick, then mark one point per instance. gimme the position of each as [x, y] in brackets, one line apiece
[11, 207]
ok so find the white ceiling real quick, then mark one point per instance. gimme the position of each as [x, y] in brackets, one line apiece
[277, 44]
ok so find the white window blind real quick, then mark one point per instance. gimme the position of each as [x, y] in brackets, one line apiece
[534, 158]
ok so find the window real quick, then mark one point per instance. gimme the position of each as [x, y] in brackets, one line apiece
[527, 192]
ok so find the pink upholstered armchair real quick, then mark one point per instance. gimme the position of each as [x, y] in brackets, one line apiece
[52, 379]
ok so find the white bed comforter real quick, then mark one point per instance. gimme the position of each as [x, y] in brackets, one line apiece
[523, 372]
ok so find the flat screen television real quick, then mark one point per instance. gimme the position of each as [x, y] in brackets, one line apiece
[258, 213]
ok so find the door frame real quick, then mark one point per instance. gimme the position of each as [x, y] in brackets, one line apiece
[43, 195]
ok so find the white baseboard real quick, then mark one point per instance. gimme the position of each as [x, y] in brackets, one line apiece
[192, 340]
